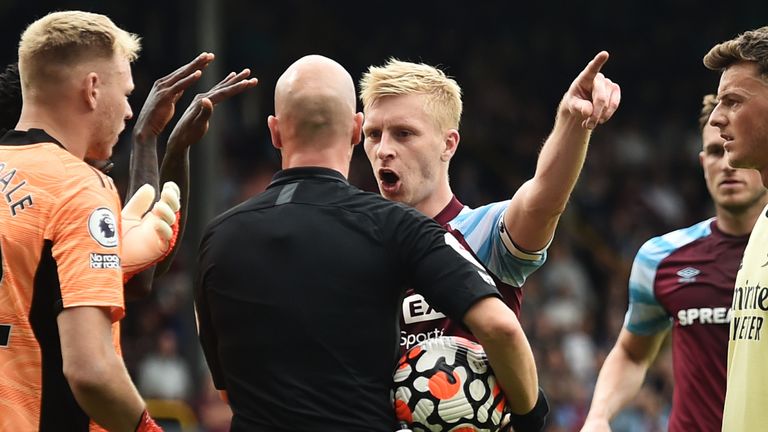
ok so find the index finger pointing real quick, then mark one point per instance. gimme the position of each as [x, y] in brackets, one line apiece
[593, 67]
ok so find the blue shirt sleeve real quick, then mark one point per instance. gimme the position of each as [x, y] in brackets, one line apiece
[645, 316]
[482, 230]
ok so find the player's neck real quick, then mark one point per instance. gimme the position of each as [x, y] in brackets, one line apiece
[436, 201]
[51, 123]
[741, 223]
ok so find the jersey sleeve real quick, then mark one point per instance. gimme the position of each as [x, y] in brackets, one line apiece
[84, 230]
[645, 316]
[483, 230]
[440, 269]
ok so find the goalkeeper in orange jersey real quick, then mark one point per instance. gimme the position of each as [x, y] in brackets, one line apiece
[157, 111]
[61, 241]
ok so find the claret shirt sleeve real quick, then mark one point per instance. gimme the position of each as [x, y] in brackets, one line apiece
[484, 232]
[645, 314]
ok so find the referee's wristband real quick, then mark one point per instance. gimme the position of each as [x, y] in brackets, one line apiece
[534, 420]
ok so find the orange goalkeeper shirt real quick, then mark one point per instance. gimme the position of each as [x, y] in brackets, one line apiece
[59, 231]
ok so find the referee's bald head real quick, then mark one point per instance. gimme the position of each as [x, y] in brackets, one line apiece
[315, 103]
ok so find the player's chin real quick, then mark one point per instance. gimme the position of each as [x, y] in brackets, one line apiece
[106, 153]
[102, 153]
[392, 195]
[734, 202]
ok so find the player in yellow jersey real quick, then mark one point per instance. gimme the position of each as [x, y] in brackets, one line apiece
[742, 117]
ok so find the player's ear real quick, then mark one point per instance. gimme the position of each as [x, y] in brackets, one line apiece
[274, 131]
[358, 129]
[90, 90]
[450, 144]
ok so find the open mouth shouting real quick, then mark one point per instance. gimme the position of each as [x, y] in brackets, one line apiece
[389, 181]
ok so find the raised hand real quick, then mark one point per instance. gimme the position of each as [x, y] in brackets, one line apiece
[193, 124]
[592, 97]
[160, 105]
[190, 129]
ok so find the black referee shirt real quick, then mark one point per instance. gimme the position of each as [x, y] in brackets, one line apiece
[298, 297]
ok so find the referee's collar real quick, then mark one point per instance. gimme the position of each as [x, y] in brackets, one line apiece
[303, 173]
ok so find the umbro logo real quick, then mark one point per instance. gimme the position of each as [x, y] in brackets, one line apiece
[688, 274]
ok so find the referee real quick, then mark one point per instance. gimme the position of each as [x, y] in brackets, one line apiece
[298, 289]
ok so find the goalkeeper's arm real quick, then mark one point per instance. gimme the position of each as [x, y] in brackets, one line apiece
[96, 374]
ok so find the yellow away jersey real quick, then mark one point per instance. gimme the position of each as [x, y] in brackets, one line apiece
[746, 396]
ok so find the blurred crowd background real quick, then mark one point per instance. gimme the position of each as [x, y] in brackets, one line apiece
[514, 61]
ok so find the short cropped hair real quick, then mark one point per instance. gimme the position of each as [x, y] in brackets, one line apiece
[708, 104]
[62, 39]
[749, 46]
[10, 97]
[398, 77]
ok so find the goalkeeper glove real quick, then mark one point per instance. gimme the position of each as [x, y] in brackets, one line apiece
[146, 424]
[148, 238]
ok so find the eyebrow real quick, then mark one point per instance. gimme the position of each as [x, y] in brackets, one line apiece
[739, 90]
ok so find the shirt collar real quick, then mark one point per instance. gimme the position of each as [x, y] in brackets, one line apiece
[290, 175]
[31, 136]
[34, 136]
[450, 211]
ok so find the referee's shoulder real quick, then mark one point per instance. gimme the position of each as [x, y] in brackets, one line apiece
[250, 204]
[377, 206]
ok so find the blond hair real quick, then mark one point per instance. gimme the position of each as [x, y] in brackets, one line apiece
[398, 77]
[708, 104]
[59, 40]
[749, 46]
